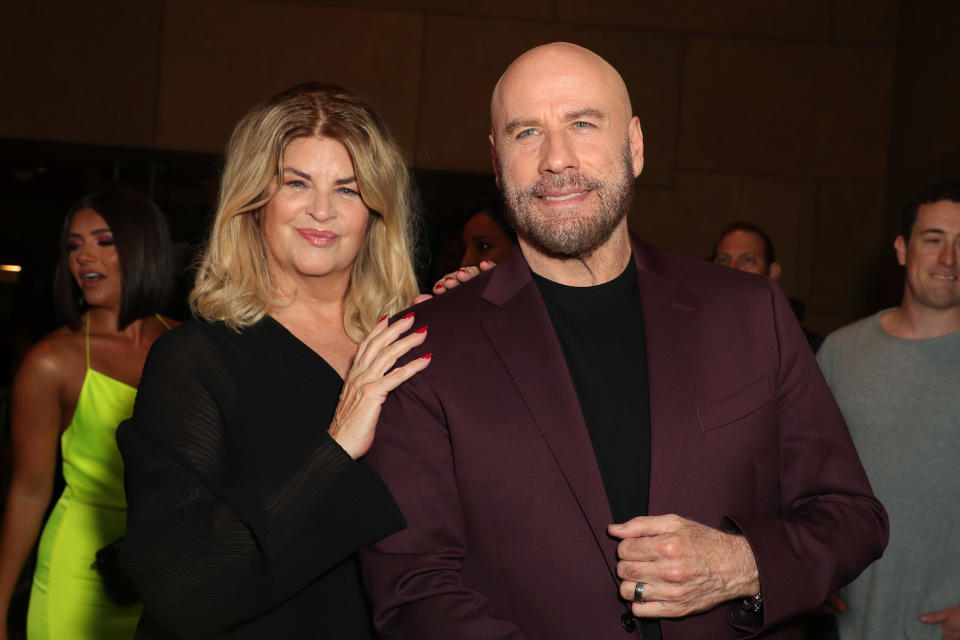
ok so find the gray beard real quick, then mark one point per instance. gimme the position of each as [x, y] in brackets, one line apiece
[575, 235]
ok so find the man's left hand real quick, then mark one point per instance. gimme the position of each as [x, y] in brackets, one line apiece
[686, 567]
[948, 619]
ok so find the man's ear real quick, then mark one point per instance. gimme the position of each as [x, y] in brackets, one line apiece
[493, 160]
[635, 135]
[900, 245]
[774, 271]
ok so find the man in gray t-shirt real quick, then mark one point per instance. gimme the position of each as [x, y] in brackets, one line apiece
[896, 377]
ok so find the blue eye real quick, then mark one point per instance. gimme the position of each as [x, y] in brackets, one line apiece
[296, 184]
[526, 133]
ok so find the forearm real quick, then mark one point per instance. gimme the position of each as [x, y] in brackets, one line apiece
[22, 522]
[804, 558]
[739, 568]
[254, 544]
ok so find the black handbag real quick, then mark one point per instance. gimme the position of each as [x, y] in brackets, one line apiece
[118, 586]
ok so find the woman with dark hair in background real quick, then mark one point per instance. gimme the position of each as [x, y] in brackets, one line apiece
[74, 387]
[248, 496]
[487, 235]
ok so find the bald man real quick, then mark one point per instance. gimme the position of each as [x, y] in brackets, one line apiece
[611, 441]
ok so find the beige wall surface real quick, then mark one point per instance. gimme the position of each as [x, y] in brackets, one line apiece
[220, 58]
[80, 71]
[808, 117]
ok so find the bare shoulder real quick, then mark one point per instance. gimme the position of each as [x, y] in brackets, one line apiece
[56, 356]
[47, 384]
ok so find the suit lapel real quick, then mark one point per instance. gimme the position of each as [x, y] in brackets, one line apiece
[671, 322]
[522, 334]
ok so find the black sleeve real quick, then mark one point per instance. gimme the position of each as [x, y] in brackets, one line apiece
[206, 554]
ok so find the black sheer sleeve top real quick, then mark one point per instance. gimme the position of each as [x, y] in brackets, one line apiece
[243, 513]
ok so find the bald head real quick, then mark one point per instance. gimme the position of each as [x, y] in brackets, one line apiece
[558, 70]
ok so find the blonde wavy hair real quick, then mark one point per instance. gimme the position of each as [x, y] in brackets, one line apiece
[233, 282]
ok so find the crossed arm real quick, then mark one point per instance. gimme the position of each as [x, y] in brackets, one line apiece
[209, 548]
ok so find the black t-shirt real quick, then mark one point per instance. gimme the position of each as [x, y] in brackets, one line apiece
[600, 329]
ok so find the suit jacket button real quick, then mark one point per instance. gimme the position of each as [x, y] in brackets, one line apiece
[628, 622]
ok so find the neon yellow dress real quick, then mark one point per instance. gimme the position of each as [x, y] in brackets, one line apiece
[67, 599]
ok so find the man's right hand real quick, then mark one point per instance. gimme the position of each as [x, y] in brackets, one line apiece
[686, 567]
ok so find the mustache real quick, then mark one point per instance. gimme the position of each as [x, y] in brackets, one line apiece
[573, 180]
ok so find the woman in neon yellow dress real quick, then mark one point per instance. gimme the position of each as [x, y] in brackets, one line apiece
[75, 386]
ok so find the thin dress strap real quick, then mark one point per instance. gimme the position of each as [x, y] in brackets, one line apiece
[86, 341]
[162, 321]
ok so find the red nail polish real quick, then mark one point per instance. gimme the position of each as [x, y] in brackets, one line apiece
[438, 286]
[382, 318]
[427, 357]
[409, 315]
[421, 330]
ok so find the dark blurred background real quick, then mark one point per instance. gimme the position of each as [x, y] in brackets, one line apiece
[812, 118]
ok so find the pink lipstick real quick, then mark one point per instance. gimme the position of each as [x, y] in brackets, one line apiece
[318, 238]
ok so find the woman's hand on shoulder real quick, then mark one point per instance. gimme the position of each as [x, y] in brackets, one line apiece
[453, 279]
[368, 382]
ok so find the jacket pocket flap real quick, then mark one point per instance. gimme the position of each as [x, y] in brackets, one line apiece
[732, 408]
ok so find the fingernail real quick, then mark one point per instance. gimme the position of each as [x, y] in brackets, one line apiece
[421, 330]
[438, 286]
[409, 315]
[382, 318]
[427, 357]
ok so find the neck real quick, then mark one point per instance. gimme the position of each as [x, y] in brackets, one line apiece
[307, 312]
[104, 320]
[603, 265]
[314, 302]
[315, 317]
[914, 321]
[312, 294]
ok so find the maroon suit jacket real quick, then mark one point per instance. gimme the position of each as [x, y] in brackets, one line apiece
[488, 456]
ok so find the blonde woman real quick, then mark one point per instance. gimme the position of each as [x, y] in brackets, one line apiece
[245, 482]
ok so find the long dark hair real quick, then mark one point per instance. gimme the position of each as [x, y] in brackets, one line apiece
[142, 239]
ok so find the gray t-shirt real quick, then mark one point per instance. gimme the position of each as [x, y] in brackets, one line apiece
[901, 400]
